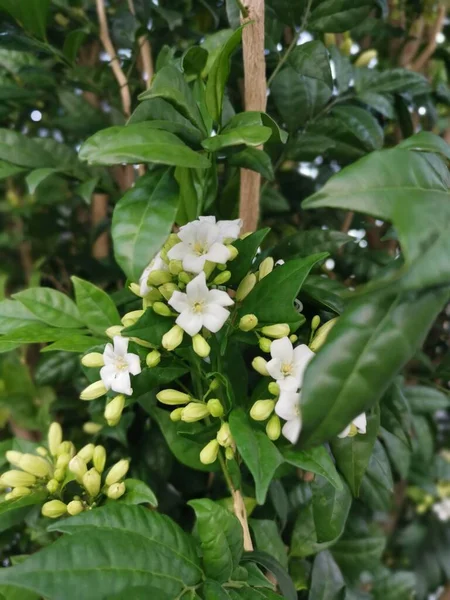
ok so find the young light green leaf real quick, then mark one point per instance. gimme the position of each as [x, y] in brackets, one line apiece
[138, 493]
[50, 306]
[13, 315]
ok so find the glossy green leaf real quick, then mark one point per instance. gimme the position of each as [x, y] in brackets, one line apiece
[142, 220]
[36, 177]
[139, 143]
[23, 151]
[97, 310]
[268, 539]
[311, 60]
[138, 493]
[255, 160]
[194, 60]
[390, 81]
[259, 454]
[357, 554]
[424, 399]
[397, 585]
[50, 306]
[343, 69]
[377, 484]
[253, 135]
[13, 512]
[221, 538]
[269, 563]
[316, 460]
[379, 102]
[13, 315]
[247, 249]
[74, 343]
[35, 333]
[327, 582]
[31, 14]
[425, 141]
[362, 124]
[324, 292]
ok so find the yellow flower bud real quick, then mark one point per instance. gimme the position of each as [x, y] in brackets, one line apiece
[266, 267]
[99, 458]
[260, 366]
[114, 409]
[18, 492]
[36, 465]
[365, 57]
[59, 474]
[175, 267]
[264, 344]
[93, 391]
[329, 39]
[245, 287]
[173, 397]
[86, 453]
[78, 467]
[173, 338]
[184, 277]
[117, 472]
[75, 507]
[229, 453]
[141, 342]
[274, 388]
[215, 407]
[171, 241]
[175, 415]
[233, 252]
[54, 437]
[200, 346]
[159, 277]
[209, 453]
[93, 359]
[92, 482]
[322, 334]
[262, 409]
[135, 289]
[194, 411]
[273, 428]
[116, 490]
[421, 508]
[209, 267]
[153, 358]
[162, 309]
[224, 436]
[222, 278]
[248, 322]
[114, 330]
[42, 451]
[13, 457]
[152, 296]
[167, 290]
[132, 318]
[293, 338]
[276, 331]
[92, 428]
[54, 509]
[53, 486]
[66, 448]
[62, 461]
[315, 322]
[17, 479]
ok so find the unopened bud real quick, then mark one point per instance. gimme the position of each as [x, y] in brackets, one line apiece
[260, 366]
[92, 428]
[132, 318]
[99, 458]
[167, 290]
[18, 492]
[274, 388]
[224, 436]
[171, 241]
[86, 453]
[233, 251]
[194, 411]
[262, 409]
[264, 343]
[93, 359]
[364, 59]
[53, 486]
[276, 331]
[248, 322]
[329, 39]
[322, 334]
[159, 277]
[293, 338]
[153, 358]
[117, 472]
[173, 338]
[222, 278]
[66, 448]
[266, 267]
[59, 474]
[184, 277]
[162, 309]
[92, 482]
[114, 330]
[114, 409]
[93, 391]
[116, 490]
[75, 507]
[78, 467]
[42, 451]
[273, 428]
[13, 457]
[229, 453]
[54, 437]
[215, 407]
[175, 267]
[135, 289]
[200, 346]
[245, 287]
[215, 384]
[209, 267]
[36, 465]
[151, 296]
[173, 397]
[175, 415]
[208, 455]
[315, 322]
[54, 509]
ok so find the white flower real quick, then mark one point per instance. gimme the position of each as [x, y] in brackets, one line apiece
[288, 364]
[359, 423]
[203, 240]
[157, 264]
[288, 408]
[200, 307]
[118, 366]
[442, 509]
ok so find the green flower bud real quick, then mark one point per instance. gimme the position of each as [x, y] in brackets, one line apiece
[248, 322]
[116, 490]
[66, 448]
[13, 457]
[173, 397]
[159, 277]
[184, 277]
[54, 509]
[17, 479]
[173, 338]
[92, 482]
[162, 309]
[273, 428]
[264, 344]
[114, 409]
[194, 411]
[215, 384]
[315, 322]
[117, 472]
[266, 267]
[18, 492]
[322, 334]
[75, 507]
[93, 359]
[92, 428]
[229, 453]
[153, 358]
[274, 388]
[245, 287]
[293, 338]
[135, 289]
[114, 330]
[215, 407]
[209, 267]
[276, 331]
[86, 453]
[167, 290]
[42, 451]
[200, 346]
[260, 366]
[53, 486]
[175, 415]
[99, 458]
[132, 318]
[141, 342]
[171, 241]
[175, 267]
[36, 465]
[54, 437]
[93, 391]
[262, 409]
[233, 252]
[209, 453]
[59, 474]
[152, 296]
[224, 436]
[222, 278]
[78, 467]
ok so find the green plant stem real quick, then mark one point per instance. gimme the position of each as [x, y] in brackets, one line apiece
[225, 472]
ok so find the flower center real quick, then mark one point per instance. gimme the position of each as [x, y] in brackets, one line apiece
[200, 248]
[121, 364]
[287, 369]
[198, 306]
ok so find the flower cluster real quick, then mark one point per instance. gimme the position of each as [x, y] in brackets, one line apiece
[438, 502]
[51, 469]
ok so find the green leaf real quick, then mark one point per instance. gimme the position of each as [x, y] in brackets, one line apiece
[378, 102]
[150, 327]
[221, 538]
[304, 243]
[218, 75]
[247, 249]
[343, 69]
[425, 141]
[377, 485]
[194, 60]
[139, 143]
[97, 310]
[362, 124]
[391, 81]
[138, 493]
[422, 399]
[355, 555]
[253, 135]
[36, 333]
[353, 454]
[271, 564]
[72, 43]
[23, 151]
[30, 14]
[311, 60]
[142, 220]
[259, 454]
[380, 333]
[268, 539]
[337, 16]
[86, 189]
[327, 582]
[9, 170]
[324, 292]
[13, 315]
[36, 177]
[13, 512]
[396, 585]
[50, 306]
[149, 379]
[255, 160]
[316, 460]
[287, 279]
[74, 343]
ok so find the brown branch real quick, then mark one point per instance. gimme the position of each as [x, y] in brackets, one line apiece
[428, 51]
[347, 222]
[99, 212]
[241, 513]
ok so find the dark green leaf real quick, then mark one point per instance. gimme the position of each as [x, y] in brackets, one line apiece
[138, 493]
[255, 160]
[30, 14]
[282, 577]
[425, 141]
[253, 135]
[377, 485]
[327, 582]
[194, 60]
[316, 460]
[13, 512]
[97, 310]
[304, 243]
[336, 16]
[268, 539]
[50, 306]
[422, 399]
[74, 343]
[247, 250]
[13, 315]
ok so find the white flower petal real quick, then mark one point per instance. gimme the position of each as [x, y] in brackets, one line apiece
[360, 422]
[345, 433]
[214, 317]
[134, 363]
[108, 354]
[193, 263]
[288, 384]
[219, 297]
[288, 405]
[120, 345]
[291, 430]
[230, 229]
[218, 253]
[144, 288]
[178, 251]
[302, 357]
[190, 322]
[197, 289]
[283, 350]
[179, 301]
[274, 368]
[107, 374]
[207, 219]
[122, 383]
